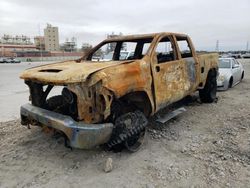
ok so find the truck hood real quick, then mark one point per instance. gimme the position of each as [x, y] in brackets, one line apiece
[66, 72]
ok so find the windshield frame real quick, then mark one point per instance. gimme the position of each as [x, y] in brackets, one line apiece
[88, 56]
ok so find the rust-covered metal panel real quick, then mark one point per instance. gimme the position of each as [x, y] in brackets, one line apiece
[80, 134]
[65, 72]
[94, 86]
[170, 83]
[206, 62]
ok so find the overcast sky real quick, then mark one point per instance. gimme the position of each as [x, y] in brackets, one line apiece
[91, 20]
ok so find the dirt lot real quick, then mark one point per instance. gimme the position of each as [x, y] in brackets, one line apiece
[207, 146]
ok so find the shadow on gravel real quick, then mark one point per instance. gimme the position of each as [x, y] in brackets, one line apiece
[168, 129]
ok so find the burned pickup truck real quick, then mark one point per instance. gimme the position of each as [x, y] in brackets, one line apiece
[108, 102]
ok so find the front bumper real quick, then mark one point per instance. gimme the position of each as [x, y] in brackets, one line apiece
[221, 85]
[80, 134]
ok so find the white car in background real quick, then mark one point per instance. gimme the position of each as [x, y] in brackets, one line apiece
[231, 72]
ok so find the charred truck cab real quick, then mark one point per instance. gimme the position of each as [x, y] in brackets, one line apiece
[107, 102]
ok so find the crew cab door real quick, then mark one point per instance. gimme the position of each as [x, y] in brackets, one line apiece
[188, 62]
[168, 73]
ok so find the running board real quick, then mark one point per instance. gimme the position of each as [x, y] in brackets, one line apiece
[171, 115]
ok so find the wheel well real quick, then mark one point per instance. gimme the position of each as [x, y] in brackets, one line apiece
[211, 71]
[139, 100]
[231, 80]
[242, 74]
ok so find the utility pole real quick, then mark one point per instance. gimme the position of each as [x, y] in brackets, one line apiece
[40, 39]
[217, 46]
[247, 46]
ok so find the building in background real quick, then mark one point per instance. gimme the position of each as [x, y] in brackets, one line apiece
[11, 50]
[16, 40]
[51, 38]
[44, 48]
[69, 45]
[86, 47]
[10, 45]
[39, 42]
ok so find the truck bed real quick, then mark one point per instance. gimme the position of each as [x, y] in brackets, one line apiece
[207, 61]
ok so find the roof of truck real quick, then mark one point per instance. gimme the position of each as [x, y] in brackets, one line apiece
[138, 36]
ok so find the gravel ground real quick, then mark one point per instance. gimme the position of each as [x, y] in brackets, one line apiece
[206, 146]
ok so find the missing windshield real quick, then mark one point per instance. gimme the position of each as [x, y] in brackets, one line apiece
[121, 50]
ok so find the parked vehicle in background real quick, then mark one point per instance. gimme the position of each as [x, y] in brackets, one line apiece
[231, 72]
[13, 60]
[232, 55]
[9, 60]
[236, 56]
[246, 56]
[108, 102]
[2, 60]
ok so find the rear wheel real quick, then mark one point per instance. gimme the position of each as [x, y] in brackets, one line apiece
[208, 93]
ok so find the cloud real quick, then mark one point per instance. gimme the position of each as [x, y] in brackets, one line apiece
[91, 20]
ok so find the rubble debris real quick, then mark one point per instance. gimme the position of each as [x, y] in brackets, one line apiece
[108, 167]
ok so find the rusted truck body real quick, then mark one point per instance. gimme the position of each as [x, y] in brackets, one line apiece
[163, 69]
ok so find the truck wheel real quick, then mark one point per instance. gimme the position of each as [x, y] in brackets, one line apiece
[242, 75]
[134, 144]
[129, 132]
[208, 93]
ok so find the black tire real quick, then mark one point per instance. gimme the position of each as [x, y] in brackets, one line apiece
[230, 84]
[134, 144]
[208, 93]
[129, 132]
[242, 75]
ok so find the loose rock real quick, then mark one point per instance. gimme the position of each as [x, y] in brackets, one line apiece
[108, 165]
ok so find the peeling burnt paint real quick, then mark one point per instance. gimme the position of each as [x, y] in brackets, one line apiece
[144, 81]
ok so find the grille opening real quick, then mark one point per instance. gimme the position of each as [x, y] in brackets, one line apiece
[56, 90]
[103, 103]
[58, 99]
